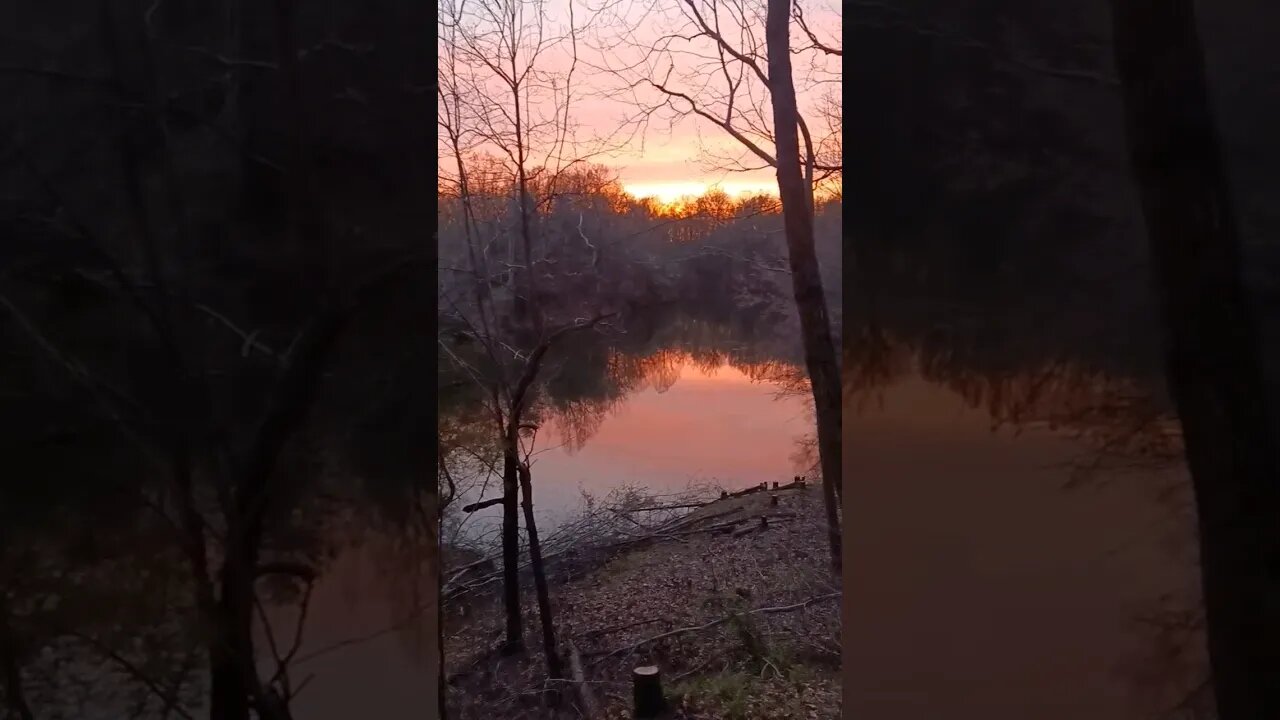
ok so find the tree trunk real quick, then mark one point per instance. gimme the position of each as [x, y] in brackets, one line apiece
[819, 349]
[1212, 346]
[234, 681]
[441, 705]
[228, 691]
[554, 668]
[231, 653]
[11, 650]
[435, 559]
[510, 470]
[511, 541]
[590, 708]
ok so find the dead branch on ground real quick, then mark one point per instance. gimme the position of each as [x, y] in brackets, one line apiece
[720, 621]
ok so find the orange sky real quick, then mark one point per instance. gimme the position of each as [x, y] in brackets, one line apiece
[670, 157]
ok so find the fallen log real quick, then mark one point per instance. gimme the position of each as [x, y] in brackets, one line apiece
[748, 491]
[723, 527]
[449, 591]
[680, 506]
[616, 628]
[762, 525]
[728, 525]
[797, 484]
[457, 573]
[720, 621]
[590, 708]
[680, 522]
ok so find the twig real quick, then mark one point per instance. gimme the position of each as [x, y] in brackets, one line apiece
[681, 506]
[171, 703]
[618, 628]
[721, 621]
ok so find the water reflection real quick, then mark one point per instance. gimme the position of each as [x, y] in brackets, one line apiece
[691, 421]
[1022, 535]
[365, 624]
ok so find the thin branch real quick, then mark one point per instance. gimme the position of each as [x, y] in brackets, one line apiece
[817, 44]
[698, 628]
[171, 703]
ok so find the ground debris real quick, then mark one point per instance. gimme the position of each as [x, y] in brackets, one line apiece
[770, 607]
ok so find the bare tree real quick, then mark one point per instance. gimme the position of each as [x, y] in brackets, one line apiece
[712, 66]
[501, 93]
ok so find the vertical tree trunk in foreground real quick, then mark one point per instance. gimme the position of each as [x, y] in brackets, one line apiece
[229, 687]
[11, 667]
[819, 349]
[539, 576]
[435, 560]
[1212, 344]
[441, 687]
[511, 541]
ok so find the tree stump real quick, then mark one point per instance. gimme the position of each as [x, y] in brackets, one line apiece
[646, 683]
[724, 494]
[773, 499]
[775, 484]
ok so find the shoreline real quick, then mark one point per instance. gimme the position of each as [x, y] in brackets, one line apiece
[741, 616]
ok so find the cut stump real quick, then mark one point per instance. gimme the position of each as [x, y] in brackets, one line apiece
[646, 682]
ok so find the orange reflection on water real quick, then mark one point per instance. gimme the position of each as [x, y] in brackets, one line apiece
[709, 424]
[690, 373]
[985, 587]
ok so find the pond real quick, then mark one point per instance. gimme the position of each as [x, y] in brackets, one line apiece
[1020, 538]
[711, 425]
[987, 583]
[366, 640]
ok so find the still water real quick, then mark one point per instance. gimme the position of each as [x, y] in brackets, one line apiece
[985, 586]
[709, 424]
[365, 644]
[702, 425]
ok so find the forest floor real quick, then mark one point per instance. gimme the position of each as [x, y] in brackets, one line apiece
[742, 618]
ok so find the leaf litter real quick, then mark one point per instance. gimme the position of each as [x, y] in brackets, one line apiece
[742, 619]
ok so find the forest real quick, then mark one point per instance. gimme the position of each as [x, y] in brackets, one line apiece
[1049, 382]
[219, 498]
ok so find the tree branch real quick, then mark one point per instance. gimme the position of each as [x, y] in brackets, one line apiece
[698, 628]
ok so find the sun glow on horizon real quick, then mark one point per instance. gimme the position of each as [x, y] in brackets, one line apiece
[672, 192]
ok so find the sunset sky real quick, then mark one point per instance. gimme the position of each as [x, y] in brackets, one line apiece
[669, 156]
